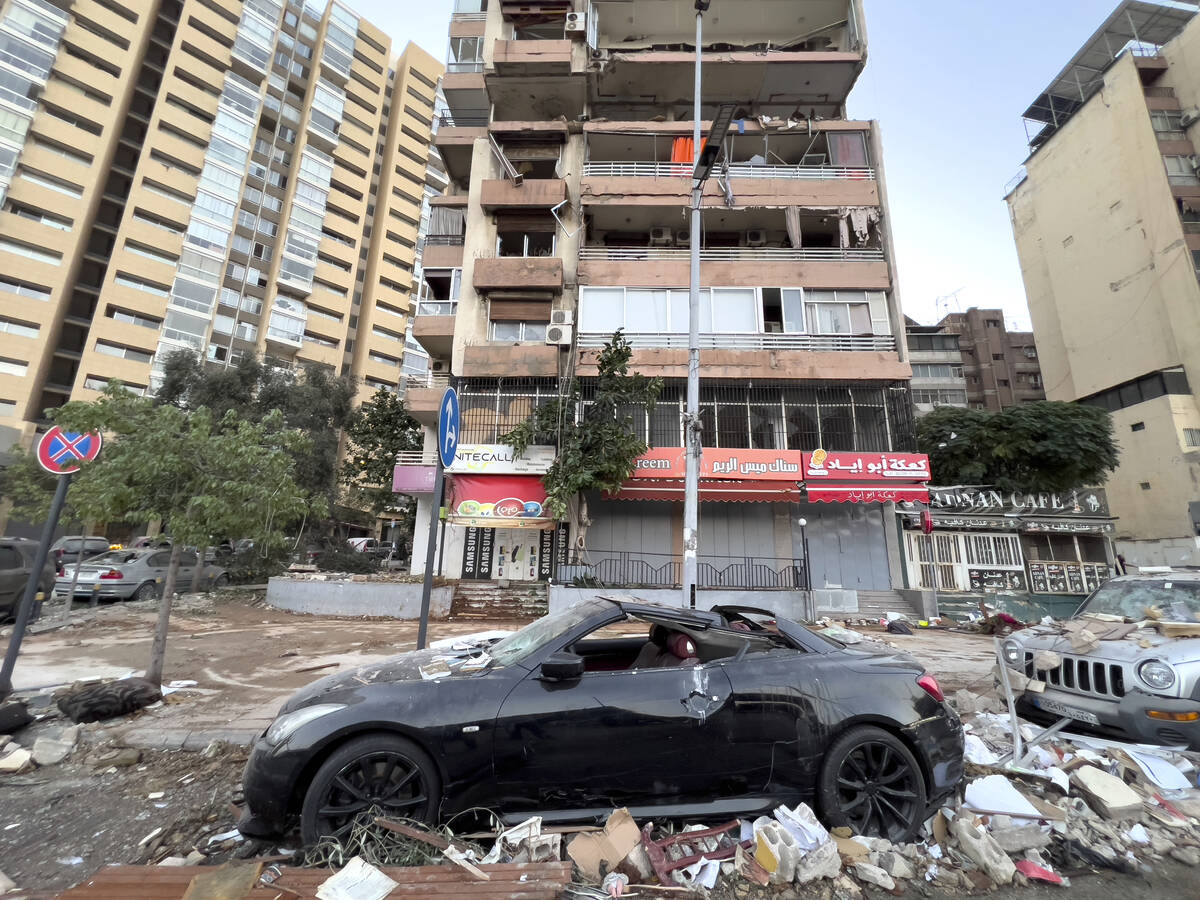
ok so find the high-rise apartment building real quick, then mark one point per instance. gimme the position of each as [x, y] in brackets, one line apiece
[1000, 367]
[221, 176]
[566, 138]
[937, 364]
[1107, 223]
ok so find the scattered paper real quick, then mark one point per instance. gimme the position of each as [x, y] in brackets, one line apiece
[226, 836]
[977, 752]
[1138, 834]
[996, 794]
[802, 824]
[702, 873]
[1160, 771]
[358, 880]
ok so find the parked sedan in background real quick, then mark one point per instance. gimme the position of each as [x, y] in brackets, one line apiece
[613, 702]
[16, 567]
[136, 574]
[75, 548]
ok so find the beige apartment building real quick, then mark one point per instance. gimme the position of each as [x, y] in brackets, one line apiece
[1107, 226]
[221, 176]
[566, 139]
[1000, 367]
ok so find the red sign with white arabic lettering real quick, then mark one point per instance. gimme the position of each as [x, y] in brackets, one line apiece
[733, 465]
[820, 466]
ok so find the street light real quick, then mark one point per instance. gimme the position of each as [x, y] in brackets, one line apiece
[706, 158]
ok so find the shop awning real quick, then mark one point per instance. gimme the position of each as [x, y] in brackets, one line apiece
[861, 493]
[498, 501]
[713, 491]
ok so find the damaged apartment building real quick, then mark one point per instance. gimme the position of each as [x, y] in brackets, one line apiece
[567, 139]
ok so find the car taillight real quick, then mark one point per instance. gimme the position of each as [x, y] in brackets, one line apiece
[929, 684]
[113, 574]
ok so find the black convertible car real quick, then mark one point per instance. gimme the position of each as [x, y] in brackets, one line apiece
[614, 702]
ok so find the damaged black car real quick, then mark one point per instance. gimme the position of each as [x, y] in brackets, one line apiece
[674, 713]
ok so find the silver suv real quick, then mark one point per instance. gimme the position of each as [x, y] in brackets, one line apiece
[1144, 686]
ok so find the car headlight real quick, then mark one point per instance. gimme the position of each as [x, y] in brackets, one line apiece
[1157, 674]
[283, 727]
[1013, 654]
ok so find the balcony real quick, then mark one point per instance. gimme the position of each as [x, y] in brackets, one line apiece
[457, 132]
[533, 193]
[423, 393]
[510, 360]
[809, 343]
[532, 58]
[518, 274]
[734, 254]
[443, 251]
[434, 327]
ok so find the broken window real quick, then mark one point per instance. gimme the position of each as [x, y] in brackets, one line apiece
[554, 30]
[439, 292]
[534, 160]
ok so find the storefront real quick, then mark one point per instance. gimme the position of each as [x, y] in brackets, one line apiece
[989, 541]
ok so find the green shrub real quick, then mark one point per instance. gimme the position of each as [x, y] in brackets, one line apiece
[346, 560]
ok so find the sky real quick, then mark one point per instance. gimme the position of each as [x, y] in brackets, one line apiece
[947, 80]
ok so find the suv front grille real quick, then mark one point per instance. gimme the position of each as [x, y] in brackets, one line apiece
[1082, 676]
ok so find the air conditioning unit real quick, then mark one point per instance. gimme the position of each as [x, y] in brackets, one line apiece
[439, 365]
[562, 317]
[661, 236]
[683, 238]
[756, 237]
[576, 24]
[1189, 117]
[559, 334]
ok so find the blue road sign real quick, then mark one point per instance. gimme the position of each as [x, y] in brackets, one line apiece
[448, 427]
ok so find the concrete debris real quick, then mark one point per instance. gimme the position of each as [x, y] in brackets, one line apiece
[823, 862]
[1108, 795]
[6, 884]
[873, 875]
[1188, 855]
[15, 759]
[895, 865]
[982, 849]
[1045, 660]
[51, 749]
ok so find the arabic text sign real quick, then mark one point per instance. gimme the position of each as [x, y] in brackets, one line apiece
[733, 465]
[881, 467]
[1091, 502]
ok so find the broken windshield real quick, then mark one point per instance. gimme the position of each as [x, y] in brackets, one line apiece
[1175, 601]
[536, 635]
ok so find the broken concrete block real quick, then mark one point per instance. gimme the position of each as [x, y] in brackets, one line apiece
[51, 749]
[1016, 838]
[864, 871]
[1045, 660]
[824, 862]
[896, 865]
[173, 861]
[844, 888]
[1107, 794]
[979, 846]
[1188, 855]
[194, 858]
[1083, 642]
[16, 759]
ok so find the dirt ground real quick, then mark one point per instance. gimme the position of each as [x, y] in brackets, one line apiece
[59, 824]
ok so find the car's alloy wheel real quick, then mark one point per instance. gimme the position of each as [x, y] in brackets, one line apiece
[871, 782]
[383, 771]
[148, 591]
[222, 581]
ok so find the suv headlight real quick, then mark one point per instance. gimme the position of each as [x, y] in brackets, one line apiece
[283, 727]
[1157, 675]
[1013, 653]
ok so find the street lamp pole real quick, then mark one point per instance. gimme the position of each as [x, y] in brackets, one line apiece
[692, 449]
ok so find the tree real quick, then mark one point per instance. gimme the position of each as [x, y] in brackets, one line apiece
[597, 445]
[377, 431]
[1049, 446]
[199, 476]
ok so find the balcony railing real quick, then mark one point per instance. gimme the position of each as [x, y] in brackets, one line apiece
[811, 342]
[468, 118]
[437, 307]
[469, 67]
[444, 240]
[684, 170]
[416, 457]
[427, 380]
[734, 254]
[627, 569]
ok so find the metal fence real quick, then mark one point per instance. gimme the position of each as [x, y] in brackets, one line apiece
[632, 569]
[737, 254]
[589, 340]
[596, 169]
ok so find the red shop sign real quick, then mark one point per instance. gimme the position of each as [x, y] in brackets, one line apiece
[883, 468]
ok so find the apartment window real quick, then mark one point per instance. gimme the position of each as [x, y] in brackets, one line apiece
[1168, 125]
[997, 357]
[98, 383]
[934, 370]
[1030, 352]
[330, 288]
[132, 318]
[150, 253]
[51, 183]
[132, 353]
[29, 252]
[141, 284]
[519, 331]
[525, 243]
[83, 159]
[1180, 170]
[21, 289]
[163, 191]
[386, 334]
[923, 396]
[1145, 485]
[20, 329]
[310, 338]
[991, 323]
[1002, 382]
[385, 360]
[13, 366]
[8, 408]
[1191, 437]
[37, 215]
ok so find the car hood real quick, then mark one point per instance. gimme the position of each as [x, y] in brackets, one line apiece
[1048, 637]
[407, 667]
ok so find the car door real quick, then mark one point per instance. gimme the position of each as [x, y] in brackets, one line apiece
[12, 578]
[649, 736]
[188, 560]
[157, 564]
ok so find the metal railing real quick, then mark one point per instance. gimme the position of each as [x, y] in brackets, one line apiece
[437, 307]
[416, 457]
[811, 342]
[633, 569]
[468, 118]
[427, 380]
[1182, 179]
[444, 240]
[684, 170]
[734, 254]
[468, 17]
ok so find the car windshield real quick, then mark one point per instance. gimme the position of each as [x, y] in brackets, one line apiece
[536, 635]
[1177, 601]
[112, 558]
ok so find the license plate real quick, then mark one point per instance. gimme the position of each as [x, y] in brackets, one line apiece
[1068, 712]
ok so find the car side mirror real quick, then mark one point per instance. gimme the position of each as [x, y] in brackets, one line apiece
[562, 667]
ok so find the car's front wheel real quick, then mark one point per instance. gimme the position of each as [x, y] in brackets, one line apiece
[871, 782]
[379, 770]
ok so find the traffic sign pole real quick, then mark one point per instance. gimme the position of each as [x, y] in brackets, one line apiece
[448, 429]
[39, 563]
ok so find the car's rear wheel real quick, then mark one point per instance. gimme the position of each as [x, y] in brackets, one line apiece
[221, 581]
[147, 591]
[871, 782]
[378, 770]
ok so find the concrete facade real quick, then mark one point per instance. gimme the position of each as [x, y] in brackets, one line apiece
[1105, 222]
[1000, 366]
